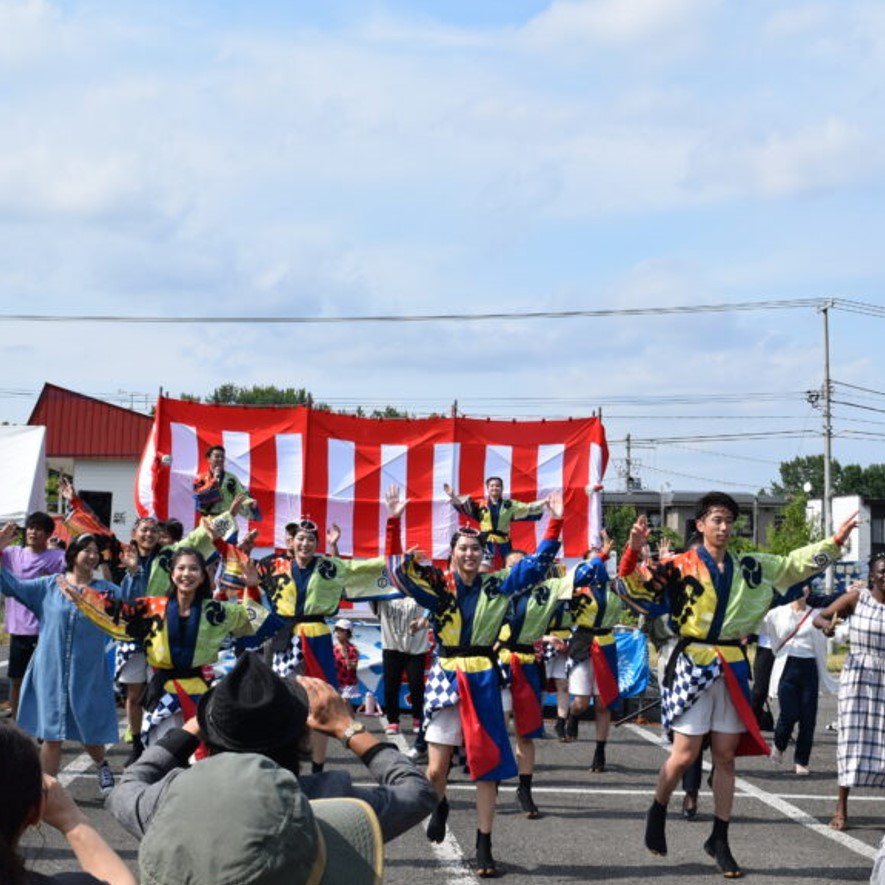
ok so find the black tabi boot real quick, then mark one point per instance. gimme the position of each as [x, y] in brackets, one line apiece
[485, 863]
[436, 826]
[717, 847]
[656, 829]
[524, 797]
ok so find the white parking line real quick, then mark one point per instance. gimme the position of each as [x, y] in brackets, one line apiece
[781, 805]
[448, 853]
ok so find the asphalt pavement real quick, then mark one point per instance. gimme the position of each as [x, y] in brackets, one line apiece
[592, 824]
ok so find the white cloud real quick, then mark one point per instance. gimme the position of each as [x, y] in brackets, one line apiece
[671, 24]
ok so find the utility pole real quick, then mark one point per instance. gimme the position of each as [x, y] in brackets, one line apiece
[827, 503]
[629, 467]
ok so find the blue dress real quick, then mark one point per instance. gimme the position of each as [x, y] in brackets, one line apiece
[68, 692]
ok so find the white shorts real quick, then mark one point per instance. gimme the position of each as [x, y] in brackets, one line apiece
[445, 727]
[555, 667]
[135, 671]
[506, 700]
[582, 680]
[712, 711]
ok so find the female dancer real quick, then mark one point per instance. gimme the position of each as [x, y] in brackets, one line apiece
[67, 693]
[860, 756]
[306, 589]
[463, 697]
[181, 634]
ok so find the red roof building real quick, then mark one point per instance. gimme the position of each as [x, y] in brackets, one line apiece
[79, 426]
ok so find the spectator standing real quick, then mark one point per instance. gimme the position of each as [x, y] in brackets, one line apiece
[33, 560]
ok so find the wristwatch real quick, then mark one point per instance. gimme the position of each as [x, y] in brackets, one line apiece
[352, 730]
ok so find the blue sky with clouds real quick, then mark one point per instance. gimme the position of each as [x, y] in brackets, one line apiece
[353, 158]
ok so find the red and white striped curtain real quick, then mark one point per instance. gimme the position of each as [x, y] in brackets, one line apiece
[335, 468]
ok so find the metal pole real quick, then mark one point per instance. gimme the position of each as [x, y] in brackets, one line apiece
[827, 503]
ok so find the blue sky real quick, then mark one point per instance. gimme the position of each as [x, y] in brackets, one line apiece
[352, 158]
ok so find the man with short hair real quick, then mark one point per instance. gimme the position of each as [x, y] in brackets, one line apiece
[215, 490]
[494, 513]
[713, 601]
[33, 560]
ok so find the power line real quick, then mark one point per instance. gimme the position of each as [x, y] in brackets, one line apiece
[214, 319]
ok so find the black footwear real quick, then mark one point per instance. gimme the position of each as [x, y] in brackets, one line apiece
[526, 802]
[135, 752]
[485, 863]
[559, 728]
[689, 806]
[571, 729]
[436, 826]
[598, 764]
[718, 849]
[655, 829]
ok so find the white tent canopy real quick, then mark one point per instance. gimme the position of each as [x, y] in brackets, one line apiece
[23, 469]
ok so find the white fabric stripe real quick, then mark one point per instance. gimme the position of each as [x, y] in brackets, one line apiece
[594, 505]
[341, 491]
[238, 461]
[499, 462]
[185, 462]
[289, 484]
[144, 489]
[551, 465]
[444, 518]
[394, 472]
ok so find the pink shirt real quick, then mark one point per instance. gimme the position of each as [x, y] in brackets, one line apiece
[25, 564]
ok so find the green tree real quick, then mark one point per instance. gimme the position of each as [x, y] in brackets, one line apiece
[852, 479]
[808, 469]
[618, 520]
[794, 529]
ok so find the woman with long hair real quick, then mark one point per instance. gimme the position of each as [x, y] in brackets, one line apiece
[181, 633]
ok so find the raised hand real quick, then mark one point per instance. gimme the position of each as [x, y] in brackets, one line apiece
[639, 534]
[555, 505]
[65, 488]
[840, 536]
[333, 535]
[8, 534]
[395, 504]
[129, 558]
[237, 504]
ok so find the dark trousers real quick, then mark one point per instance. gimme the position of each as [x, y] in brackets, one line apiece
[395, 662]
[797, 696]
[761, 679]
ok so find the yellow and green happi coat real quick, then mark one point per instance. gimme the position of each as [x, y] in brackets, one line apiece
[595, 609]
[528, 619]
[466, 620]
[712, 610]
[305, 597]
[176, 648]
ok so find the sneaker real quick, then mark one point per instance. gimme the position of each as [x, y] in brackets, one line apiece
[417, 756]
[105, 779]
[803, 770]
[391, 728]
[777, 756]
